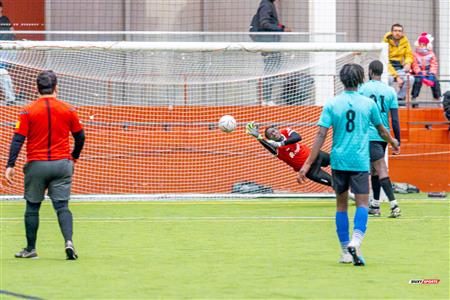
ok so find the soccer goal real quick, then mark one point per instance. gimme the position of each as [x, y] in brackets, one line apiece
[150, 110]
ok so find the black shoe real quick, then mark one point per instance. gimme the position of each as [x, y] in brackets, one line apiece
[70, 251]
[24, 253]
[357, 259]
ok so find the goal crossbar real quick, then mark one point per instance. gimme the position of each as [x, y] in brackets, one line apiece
[195, 46]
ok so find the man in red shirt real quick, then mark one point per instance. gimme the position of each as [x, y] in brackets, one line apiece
[285, 144]
[46, 124]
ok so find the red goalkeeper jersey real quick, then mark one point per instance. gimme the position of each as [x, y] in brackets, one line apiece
[46, 123]
[294, 155]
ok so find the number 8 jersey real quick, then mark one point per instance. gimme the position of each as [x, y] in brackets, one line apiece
[350, 114]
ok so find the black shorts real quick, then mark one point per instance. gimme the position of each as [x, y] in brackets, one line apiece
[54, 176]
[377, 150]
[357, 181]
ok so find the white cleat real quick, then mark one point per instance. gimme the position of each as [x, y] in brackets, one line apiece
[395, 213]
[346, 258]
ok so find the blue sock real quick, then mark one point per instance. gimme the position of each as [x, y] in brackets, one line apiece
[360, 225]
[342, 229]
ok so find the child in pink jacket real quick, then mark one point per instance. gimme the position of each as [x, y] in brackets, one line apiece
[425, 67]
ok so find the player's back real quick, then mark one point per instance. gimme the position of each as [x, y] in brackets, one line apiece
[350, 115]
[47, 127]
[385, 98]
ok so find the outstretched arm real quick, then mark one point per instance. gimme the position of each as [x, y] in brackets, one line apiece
[253, 130]
[268, 146]
[318, 143]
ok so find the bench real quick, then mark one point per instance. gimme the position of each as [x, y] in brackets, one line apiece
[429, 125]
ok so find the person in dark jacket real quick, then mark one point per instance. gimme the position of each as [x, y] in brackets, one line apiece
[5, 25]
[266, 20]
[446, 104]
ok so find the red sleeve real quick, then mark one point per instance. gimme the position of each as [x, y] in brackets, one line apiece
[22, 124]
[286, 132]
[75, 124]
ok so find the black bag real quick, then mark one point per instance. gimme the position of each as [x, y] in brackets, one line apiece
[404, 188]
[249, 187]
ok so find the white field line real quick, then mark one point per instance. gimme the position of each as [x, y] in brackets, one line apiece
[217, 202]
[217, 218]
[420, 154]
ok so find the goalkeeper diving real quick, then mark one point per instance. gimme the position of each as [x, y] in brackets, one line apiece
[285, 145]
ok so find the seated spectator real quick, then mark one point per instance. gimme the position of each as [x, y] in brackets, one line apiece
[400, 60]
[425, 67]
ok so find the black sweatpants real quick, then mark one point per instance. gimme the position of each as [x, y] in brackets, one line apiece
[316, 173]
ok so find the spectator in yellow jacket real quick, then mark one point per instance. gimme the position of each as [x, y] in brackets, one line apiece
[400, 59]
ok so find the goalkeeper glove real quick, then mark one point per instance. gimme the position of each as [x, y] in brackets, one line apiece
[252, 130]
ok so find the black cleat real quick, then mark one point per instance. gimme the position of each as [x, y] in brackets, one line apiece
[24, 253]
[357, 259]
[70, 251]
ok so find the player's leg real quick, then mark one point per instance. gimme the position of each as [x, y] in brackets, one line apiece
[416, 87]
[34, 192]
[374, 203]
[408, 81]
[31, 228]
[9, 90]
[65, 221]
[377, 152]
[385, 182]
[59, 192]
[340, 185]
[316, 173]
[325, 159]
[436, 89]
[359, 184]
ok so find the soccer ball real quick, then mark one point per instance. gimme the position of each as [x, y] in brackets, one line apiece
[227, 123]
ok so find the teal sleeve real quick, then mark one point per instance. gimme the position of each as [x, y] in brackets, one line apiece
[394, 102]
[326, 117]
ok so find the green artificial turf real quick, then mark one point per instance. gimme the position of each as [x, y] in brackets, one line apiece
[266, 249]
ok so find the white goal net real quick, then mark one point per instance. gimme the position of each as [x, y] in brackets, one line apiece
[150, 110]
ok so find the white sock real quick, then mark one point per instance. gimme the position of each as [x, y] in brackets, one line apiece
[357, 238]
[393, 203]
[344, 247]
[375, 203]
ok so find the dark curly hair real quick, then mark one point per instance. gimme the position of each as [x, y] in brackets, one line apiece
[351, 75]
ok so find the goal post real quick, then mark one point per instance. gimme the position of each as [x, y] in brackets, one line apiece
[150, 111]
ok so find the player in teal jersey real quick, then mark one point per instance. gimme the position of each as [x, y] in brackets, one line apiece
[385, 98]
[350, 115]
